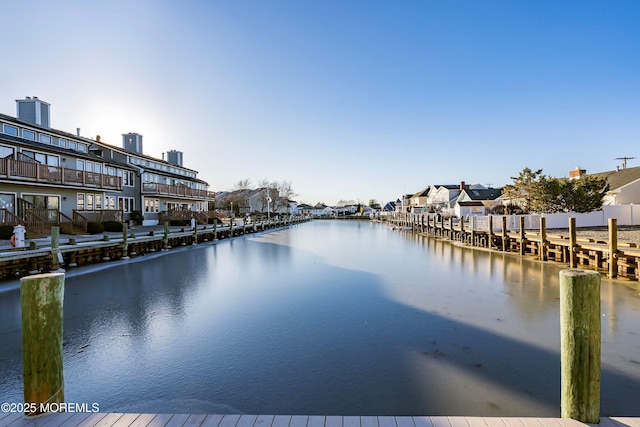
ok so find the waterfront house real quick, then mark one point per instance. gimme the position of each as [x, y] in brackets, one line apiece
[624, 185]
[418, 201]
[476, 201]
[51, 177]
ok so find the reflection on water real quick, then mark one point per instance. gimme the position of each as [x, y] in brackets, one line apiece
[328, 317]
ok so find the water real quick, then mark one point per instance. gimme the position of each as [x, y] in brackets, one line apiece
[328, 317]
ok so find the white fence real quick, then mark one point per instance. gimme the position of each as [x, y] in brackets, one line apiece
[625, 215]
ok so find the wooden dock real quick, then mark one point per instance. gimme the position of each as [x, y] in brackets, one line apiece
[616, 259]
[16, 262]
[210, 420]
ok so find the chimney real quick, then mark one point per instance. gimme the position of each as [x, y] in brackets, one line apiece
[461, 185]
[577, 173]
[78, 132]
[97, 138]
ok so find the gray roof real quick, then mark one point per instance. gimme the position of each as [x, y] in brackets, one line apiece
[620, 178]
[483, 193]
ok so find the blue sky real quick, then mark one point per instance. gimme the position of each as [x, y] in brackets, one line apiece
[345, 99]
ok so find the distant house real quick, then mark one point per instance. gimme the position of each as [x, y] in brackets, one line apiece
[477, 201]
[624, 186]
[442, 198]
[418, 201]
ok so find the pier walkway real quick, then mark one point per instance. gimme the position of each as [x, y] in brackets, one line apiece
[175, 420]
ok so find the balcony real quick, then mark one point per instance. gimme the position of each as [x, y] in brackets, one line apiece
[18, 170]
[152, 188]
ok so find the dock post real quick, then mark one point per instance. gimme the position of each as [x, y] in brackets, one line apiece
[490, 238]
[41, 300]
[165, 236]
[450, 228]
[56, 256]
[125, 244]
[473, 230]
[195, 231]
[613, 248]
[573, 259]
[542, 246]
[580, 345]
[523, 243]
[215, 229]
[504, 233]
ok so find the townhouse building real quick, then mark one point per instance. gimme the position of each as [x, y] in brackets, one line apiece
[52, 177]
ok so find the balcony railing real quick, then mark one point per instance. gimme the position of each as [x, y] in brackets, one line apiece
[38, 172]
[175, 190]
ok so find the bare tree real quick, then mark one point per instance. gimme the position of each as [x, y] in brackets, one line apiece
[242, 184]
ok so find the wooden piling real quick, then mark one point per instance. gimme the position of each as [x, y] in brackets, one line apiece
[505, 238]
[580, 345]
[55, 248]
[125, 242]
[613, 248]
[523, 242]
[542, 246]
[573, 259]
[41, 300]
[195, 232]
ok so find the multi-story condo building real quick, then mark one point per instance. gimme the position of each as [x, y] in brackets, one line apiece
[50, 177]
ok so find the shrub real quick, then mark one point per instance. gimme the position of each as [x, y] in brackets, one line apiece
[178, 222]
[6, 231]
[112, 226]
[95, 227]
[136, 217]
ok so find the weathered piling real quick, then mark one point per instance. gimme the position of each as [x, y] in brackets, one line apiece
[573, 259]
[523, 241]
[125, 244]
[542, 249]
[505, 239]
[41, 300]
[56, 256]
[613, 248]
[580, 345]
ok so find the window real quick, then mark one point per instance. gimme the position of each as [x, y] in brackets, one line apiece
[45, 159]
[80, 165]
[98, 201]
[110, 202]
[151, 205]
[82, 148]
[88, 166]
[28, 134]
[72, 145]
[126, 204]
[63, 143]
[11, 130]
[98, 168]
[45, 138]
[80, 201]
[89, 202]
[5, 152]
[127, 178]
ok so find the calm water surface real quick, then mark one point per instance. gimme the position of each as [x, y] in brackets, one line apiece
[328, 317]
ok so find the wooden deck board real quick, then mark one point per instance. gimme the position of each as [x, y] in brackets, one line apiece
[369, 421]
[405, 422]
[216, 420]
[281, 421]
[264, 421]
[387, 422]
[422, 422]
[247, 420]
[350, 421]
[315, 421]
[335, 421]
[441, 422]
